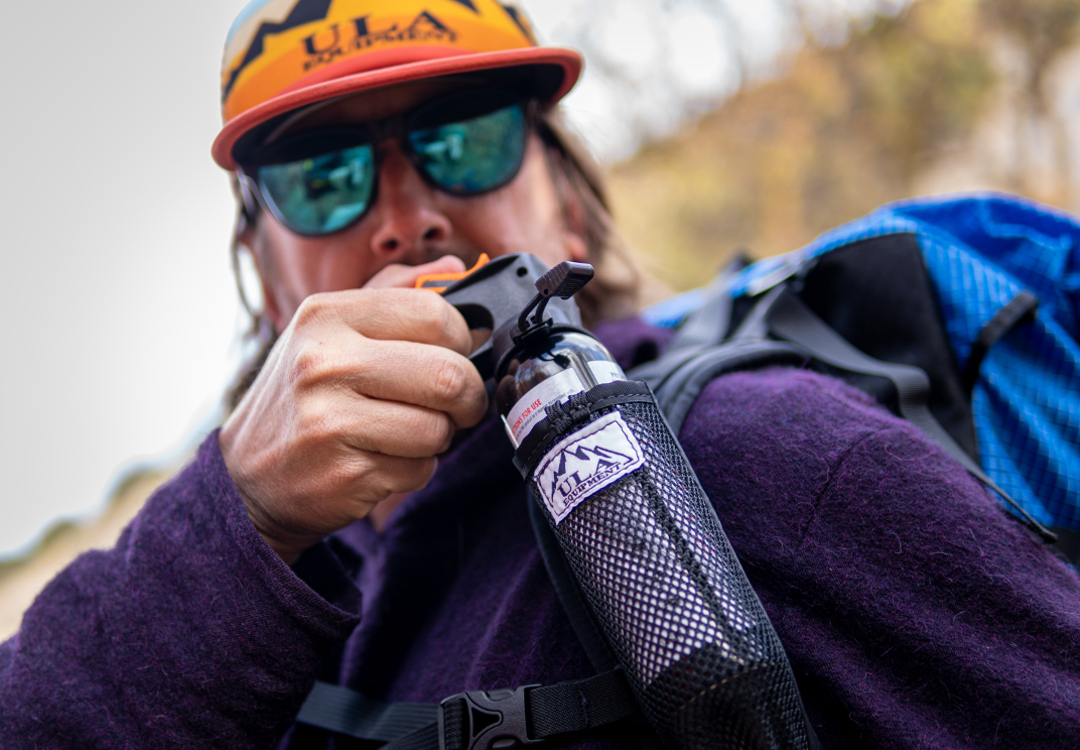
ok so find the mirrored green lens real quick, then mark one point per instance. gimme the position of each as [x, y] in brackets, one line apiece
[473, 155]
[322, 194]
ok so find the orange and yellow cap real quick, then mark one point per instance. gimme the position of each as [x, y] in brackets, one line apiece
[284, 54]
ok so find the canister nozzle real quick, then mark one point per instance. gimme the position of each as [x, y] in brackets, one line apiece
[562, 281]
[500, 295]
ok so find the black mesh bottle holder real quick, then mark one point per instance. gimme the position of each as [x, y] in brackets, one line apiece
[669, 594]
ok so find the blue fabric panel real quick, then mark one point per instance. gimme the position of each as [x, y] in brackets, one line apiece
[981, 250]
[1027, 411]
[1038, 246]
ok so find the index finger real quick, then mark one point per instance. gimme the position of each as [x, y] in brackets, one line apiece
[416, 315]
[404, 277]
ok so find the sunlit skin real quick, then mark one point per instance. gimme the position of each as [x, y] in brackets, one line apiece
[369, 379]
[411, 223]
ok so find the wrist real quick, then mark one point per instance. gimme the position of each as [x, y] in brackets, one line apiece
[289, 545]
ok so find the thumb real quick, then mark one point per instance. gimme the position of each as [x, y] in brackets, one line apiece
[400, 276]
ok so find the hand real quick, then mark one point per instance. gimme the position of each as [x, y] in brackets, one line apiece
[362, 391]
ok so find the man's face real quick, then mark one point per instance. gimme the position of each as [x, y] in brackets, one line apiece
[411, 222]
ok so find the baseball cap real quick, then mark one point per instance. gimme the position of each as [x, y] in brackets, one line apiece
[281, 55]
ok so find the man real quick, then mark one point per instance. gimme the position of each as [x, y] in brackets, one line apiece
[358, 519]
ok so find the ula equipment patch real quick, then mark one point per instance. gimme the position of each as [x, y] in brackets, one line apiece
[586, 462]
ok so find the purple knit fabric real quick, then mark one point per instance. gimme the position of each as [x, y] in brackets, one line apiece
[191, 632]
[915, 612]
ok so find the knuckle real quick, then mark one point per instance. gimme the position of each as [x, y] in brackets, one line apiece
[314, 308]
[380, 480]
[422, 471]
[441, 433]
[477, 409]
[363, 480]
[311, 365]
[442, 320]
[315, 420]
[365, 473]
[421, 433]
[452, 381]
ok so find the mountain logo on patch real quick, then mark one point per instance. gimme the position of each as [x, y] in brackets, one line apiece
[586, 462]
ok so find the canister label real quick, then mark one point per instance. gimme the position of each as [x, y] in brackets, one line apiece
[605, 372]
[531, 408]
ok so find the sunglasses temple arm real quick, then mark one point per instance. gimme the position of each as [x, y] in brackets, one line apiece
[249, 202]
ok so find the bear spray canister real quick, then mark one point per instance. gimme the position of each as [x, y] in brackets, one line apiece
[641, 537]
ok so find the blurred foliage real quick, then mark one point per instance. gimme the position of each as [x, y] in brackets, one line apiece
[1044, 27]
[843, 131]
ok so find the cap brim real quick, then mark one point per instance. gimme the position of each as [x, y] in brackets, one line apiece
[566, 60]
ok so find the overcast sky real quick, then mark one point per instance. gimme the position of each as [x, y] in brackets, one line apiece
[118, 304]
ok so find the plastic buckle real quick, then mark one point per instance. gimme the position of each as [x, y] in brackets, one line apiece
[494, 719]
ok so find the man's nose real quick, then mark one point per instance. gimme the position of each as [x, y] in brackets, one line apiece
[406, 209]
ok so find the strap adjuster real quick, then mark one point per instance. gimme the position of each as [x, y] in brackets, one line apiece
[486, 720]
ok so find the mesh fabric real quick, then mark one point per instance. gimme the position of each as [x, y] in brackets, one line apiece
[669, 594]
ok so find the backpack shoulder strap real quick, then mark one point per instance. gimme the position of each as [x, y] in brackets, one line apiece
[704, 327]
[677, 394]
[790, 319]
[339, 709]
[696, 355]
[475, 719]
[781, 329]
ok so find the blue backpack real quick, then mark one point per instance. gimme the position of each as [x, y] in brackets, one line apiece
[959, 313]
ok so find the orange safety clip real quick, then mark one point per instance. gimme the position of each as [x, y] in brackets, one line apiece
[438, 282]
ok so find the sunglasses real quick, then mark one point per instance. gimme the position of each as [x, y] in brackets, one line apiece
[322, 181]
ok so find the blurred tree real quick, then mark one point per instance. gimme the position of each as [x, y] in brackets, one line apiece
[1044, 27]
[653, 64]
[844, 130]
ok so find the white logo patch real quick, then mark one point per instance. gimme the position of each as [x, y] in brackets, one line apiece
[586, 462]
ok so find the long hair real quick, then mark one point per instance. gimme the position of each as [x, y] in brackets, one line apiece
[579, 184]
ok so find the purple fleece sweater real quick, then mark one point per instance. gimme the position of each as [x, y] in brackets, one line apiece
[915, 612]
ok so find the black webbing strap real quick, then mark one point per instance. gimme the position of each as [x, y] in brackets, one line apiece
[425, 738]
[1019, 308]
[348, 712]
[677, 393]
[474, 720]
[792, 320]
[582, 704]
[702, 329]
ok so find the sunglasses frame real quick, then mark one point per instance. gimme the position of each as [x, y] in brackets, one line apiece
[376, 133]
